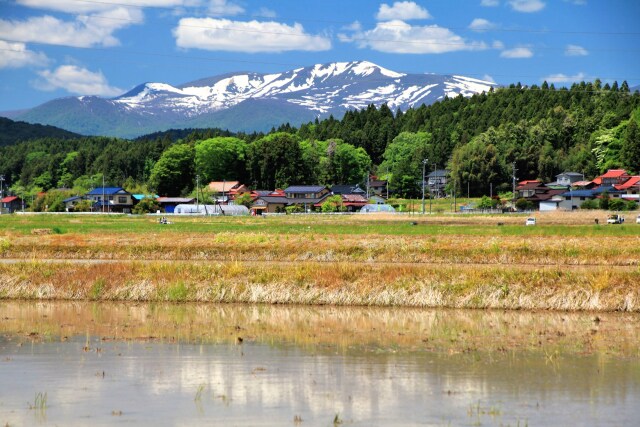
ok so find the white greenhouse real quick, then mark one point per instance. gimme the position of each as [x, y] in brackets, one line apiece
[223, 210]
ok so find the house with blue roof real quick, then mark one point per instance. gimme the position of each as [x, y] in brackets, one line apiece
[110, 199]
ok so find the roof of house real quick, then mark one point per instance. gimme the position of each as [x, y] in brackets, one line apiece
[347, 189]
[439, 173]
[582, 183]
[185, 200]
[547, 195]
[569, 174]
[144, 196]
[377, 183]
[73, 199]
[530, 185]
[109, 191]
[633, 181]
[606, 189]
[220, 186]
[9, 199]
[275, 199]
[304, 189]
[578, 193]
[614, 173]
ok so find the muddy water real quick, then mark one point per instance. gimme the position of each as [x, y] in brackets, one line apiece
[104, 364]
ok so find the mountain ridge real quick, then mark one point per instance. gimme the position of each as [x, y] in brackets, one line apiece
[229, 100]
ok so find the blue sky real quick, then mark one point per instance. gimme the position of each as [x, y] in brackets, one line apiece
[54, 48]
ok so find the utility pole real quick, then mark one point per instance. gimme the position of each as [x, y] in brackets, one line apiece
[1, 191]
[514, 184]
[424, 165]
[430, 194]
[103, 193]
[197, 190]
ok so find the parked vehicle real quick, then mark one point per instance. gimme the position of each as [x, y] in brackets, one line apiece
[615, 219]
[638, 220]
[530, 221]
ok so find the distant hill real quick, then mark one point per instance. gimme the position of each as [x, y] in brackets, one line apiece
[12, 132]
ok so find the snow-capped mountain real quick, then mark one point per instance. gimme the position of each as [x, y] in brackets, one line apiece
[252, 101]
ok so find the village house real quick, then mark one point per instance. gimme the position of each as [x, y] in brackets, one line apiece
[378, 187]
[305, 196]
[10, 204]
[110, 199]
[437, 182]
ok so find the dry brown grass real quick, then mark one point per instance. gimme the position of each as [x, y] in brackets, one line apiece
[459, 286]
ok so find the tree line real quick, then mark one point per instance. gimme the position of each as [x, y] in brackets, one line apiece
[539, 130]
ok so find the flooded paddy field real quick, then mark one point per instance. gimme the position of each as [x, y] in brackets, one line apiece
[80, 363]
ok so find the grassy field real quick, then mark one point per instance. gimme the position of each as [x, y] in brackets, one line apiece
[565, 262]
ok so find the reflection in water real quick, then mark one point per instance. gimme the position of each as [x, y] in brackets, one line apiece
[371, 366]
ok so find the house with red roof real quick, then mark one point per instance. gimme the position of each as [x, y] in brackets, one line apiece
[613, 177]
[10, 204]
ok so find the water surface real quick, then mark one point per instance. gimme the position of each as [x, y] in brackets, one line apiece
[104, 364]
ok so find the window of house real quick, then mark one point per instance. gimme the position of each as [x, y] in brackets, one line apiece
[122, 199]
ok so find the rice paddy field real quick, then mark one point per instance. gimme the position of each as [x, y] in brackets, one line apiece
[565, 262]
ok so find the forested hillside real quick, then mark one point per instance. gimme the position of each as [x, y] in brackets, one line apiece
[12, 132]
[588, 128]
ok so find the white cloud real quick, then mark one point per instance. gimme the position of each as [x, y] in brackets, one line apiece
[79, 7]
[84, 31]
[575, 50]
[563, 78]
[400, 37]
[403, 10]
[480, 24]
[497, 44]
[577, 2]
[251, 37]
[355, 26]
[263, 12]
[527, 6]
[76, 80]
[489, 3]
[516, 53]
[16, 55]
[223, 7]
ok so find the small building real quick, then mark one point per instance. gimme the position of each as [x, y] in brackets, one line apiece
[168, 204]
[566, 179]
[614, 177]
[110, 199]
[378, 187]
[573, 199]
[348, 189]
[10, 204]
[71, 202]
[437, 182]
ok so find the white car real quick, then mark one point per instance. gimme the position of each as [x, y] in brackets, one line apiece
[530, 221]
[638, 220]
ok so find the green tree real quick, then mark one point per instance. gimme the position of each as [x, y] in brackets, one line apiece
[173, 173]
[244, 200]
[221, 158]
[402, 164]
[275, 161]
[146, 205]
[630, 152]
[333, 204]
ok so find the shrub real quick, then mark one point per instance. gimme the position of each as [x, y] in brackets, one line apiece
[590, 204]
[617, 205]
[146, 205]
